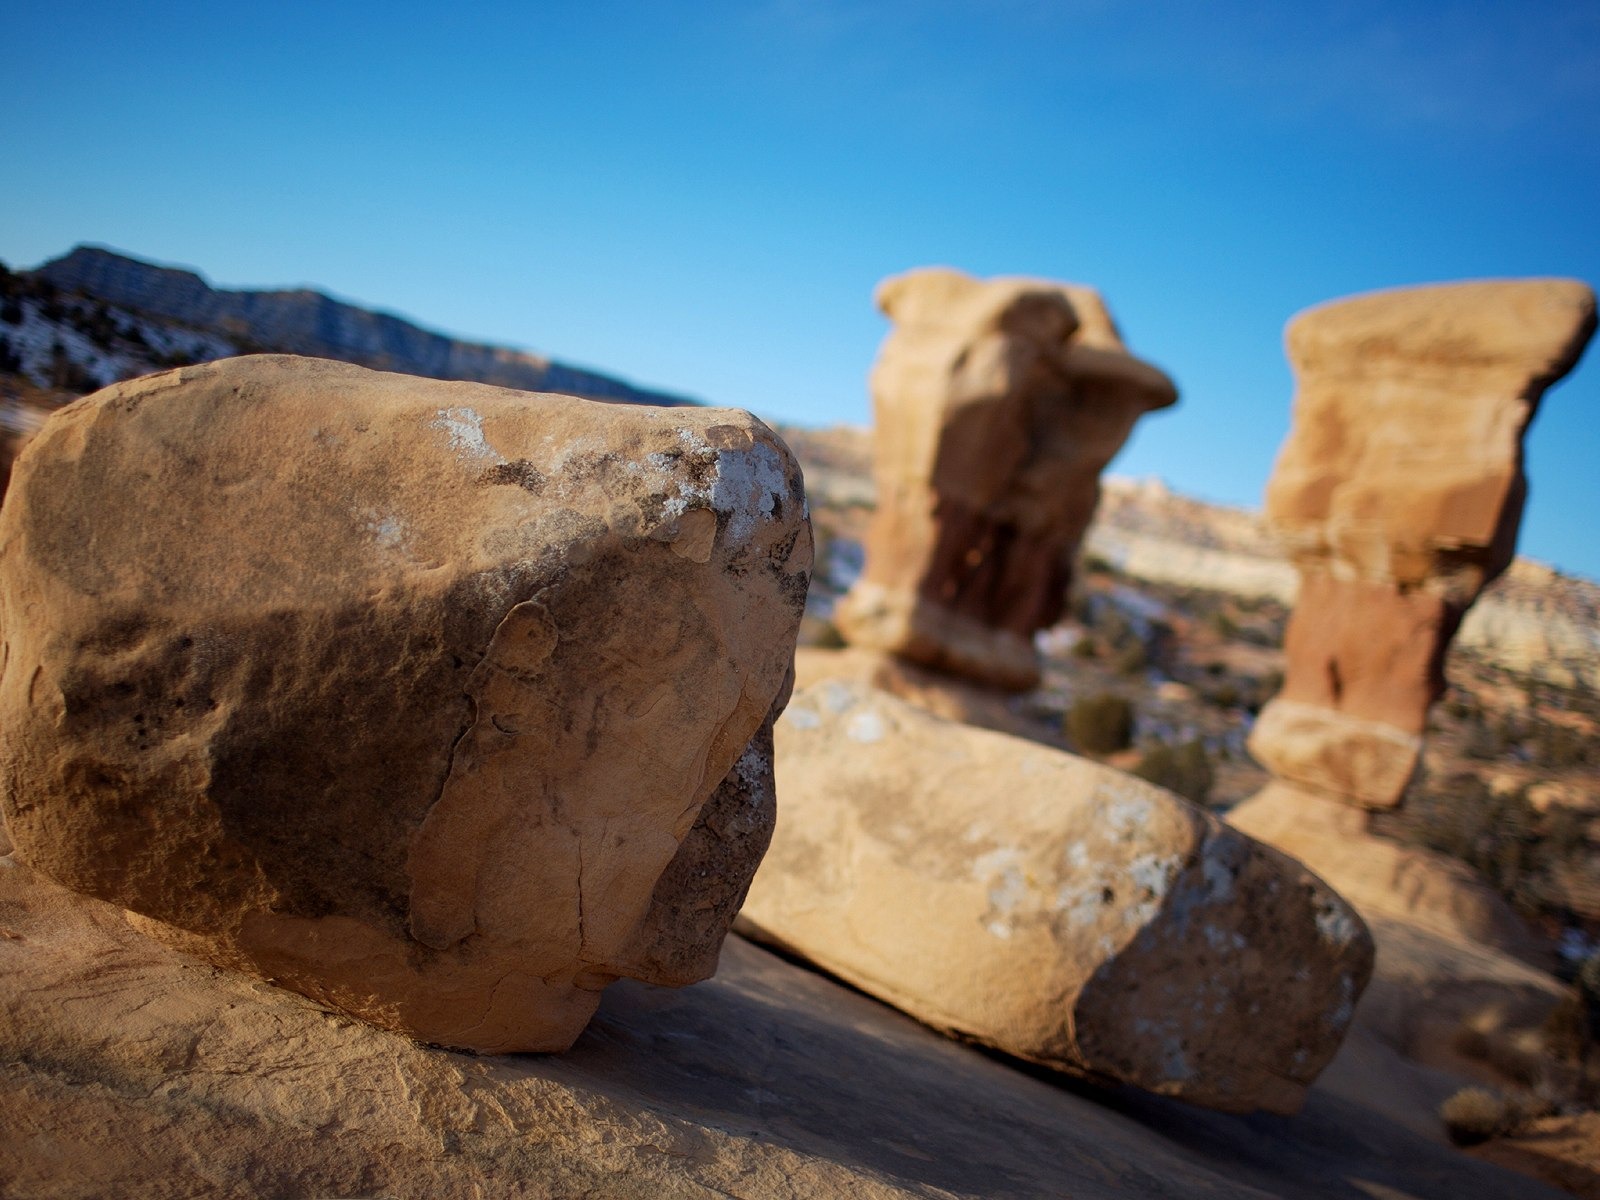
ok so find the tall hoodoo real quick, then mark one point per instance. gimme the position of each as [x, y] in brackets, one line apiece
[997, 404]
[1398, 495]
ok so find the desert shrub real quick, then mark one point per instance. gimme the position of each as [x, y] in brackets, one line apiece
[1559, 747]
[1132, 658]
[1186, 770]
[1566, 1030]
[1471, 1042]
[1475, 1115]
[1587, 981]
[1096, 564]
[1225, 695]
[1101, 724]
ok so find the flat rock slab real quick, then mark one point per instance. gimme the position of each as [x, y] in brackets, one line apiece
[1051, 907]
[130, 1069]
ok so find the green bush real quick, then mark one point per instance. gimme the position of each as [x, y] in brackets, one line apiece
[1186, 770]
[1132, 658]
[1475, 1115]
[1101, 724]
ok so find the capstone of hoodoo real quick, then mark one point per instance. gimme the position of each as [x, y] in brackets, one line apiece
[1060, 910]
[1398, 495]
[442, 703]
[996, 404]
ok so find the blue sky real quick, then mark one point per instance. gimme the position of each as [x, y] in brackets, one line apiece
[702, 196]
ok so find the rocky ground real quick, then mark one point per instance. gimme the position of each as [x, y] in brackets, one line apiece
[132, 1070]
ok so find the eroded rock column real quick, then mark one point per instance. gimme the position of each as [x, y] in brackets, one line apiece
[441, 703]
[1398, 496]
[997, 403]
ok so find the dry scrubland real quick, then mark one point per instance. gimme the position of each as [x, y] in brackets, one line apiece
[139, 1068]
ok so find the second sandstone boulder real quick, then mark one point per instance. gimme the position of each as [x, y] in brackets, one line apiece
[1059, 910]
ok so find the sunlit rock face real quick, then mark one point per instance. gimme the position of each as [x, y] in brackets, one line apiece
[444, 704]
[1052, 907]
[997, 403]
[1398, 495]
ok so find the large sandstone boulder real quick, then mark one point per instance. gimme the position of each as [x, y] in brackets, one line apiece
[1398, 495]
[1059, 910]
[996, 404]
[441, 703]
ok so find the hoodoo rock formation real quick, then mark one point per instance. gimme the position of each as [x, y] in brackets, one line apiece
[1054, 908]
[1398, 495]
[441, 703]
[996, 403]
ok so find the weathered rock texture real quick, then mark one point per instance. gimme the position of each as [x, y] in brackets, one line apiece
[997, 403]
[441, 703]
[1059, 910]
[129, 1070]
[1398, 495]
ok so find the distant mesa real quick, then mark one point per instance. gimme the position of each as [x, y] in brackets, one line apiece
[997, 403]
[310, 323]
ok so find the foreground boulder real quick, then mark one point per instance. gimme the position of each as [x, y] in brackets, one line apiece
[441, 703]
[996, 404]
[1059, 910]
[1398, 496]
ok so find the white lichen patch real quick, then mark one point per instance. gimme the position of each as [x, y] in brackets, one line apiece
[746, 484]
[1346, 1007]
[865, 726]
[1010, 892]
[986, 866]
[389, 532]
[1174, 1064]
[1217, 874]
[1223, 939]
[754, 769]
[1335, 926]
[1153, 873]
[464, 427]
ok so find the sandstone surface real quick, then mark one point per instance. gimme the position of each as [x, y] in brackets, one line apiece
[1061, 911]
[128, 1069]
[996, 405]
[442, 703]
[1398, 495]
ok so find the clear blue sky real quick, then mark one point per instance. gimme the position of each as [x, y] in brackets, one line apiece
[702, 196]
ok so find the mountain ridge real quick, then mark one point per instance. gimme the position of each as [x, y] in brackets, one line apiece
[310, 322]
